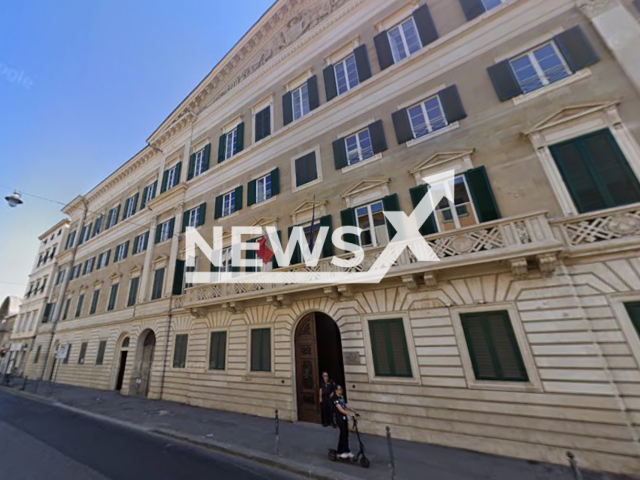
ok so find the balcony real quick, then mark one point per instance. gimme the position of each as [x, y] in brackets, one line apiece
[512, 240]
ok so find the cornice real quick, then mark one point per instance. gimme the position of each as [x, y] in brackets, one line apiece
[593, 8]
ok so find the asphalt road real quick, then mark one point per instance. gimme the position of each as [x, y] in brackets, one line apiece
[41, 441]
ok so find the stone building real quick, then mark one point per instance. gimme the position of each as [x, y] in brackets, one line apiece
[35, 307]
[521, 341]
[9, 310]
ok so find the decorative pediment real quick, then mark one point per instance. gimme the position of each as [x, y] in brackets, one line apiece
[160, 259]
[266, 222]
[305, 211]
[97, 283]
[137, 270]
[115, 277]
[569, 114]
[367, 190]
[460, 161]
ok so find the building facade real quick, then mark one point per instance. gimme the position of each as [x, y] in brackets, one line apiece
[9, 310]
[522, 341]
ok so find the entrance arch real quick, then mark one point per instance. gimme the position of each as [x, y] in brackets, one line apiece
[146, 349]
[122, 362]
[318, 348]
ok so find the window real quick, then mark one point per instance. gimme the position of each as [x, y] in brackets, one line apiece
[67, 306]
[596, 172]
[103, 259]
[370, 218]
[389, 348]
[79, 305]
[427, 117]
[306, 169]
[130, 206]
[133, 291]
[217, 350]
[113, 297]
[459, 214]
[66, 358]
[195, 217]
[633, 309]
[97, 226]
[300, 99]
[148, 194]
[359, 147]
[164, 231]
[140, 243]
[171, 177]
[198, 163]
[88, 266]
[263, 188]
[94, 302]
[262, 122]
[85, 234]
[121, 251]
[489, 4]
[229, 203]
[180, 351]
[70, 239]
[493, 348]
[231, 144]
[346, 73]
[75, 272]
[539, 67]
[404, 39]
[60, 276]
[37, 357]
[261, 350]
[112, 219]
[102, 346]
[158, 282]
[83, 353]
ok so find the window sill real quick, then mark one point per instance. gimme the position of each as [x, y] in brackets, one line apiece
[503, 386]
[397, 380]
[553, 86]
[308, 184]
[437, 133]
[265, 202]
[349, 168]
[234, 214]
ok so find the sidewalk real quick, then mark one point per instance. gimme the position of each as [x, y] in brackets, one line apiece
[303, 447]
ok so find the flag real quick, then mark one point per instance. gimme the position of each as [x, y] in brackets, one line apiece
[264, 253]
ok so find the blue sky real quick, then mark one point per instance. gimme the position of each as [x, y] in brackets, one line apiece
[82, 85]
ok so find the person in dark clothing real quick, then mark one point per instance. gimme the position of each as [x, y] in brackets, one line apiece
[327, 392]
[342, 416]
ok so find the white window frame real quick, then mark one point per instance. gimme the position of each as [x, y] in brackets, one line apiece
[542, 77]
[198, 163]
[403, 37]
[144, 238]
[264, 188]
[101, 260]
[231, 195]
[75, 272]
[231, 143]
[271, 372]
[298, 91]
[171, 177]
[258, 109]
[119, 253]
[372, 228]
[343, 63]
[358, 147]
[151, 192]
[128, 212]
[88, 266]
[450, 191]
[193, 217]
[430, 128]
[86, 233]
[164, 231]
[112, 220]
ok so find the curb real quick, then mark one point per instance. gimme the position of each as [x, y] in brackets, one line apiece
[274, 461]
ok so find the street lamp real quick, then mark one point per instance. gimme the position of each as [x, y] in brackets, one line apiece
[14, 199]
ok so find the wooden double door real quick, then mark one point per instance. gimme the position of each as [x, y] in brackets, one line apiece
[318, 348]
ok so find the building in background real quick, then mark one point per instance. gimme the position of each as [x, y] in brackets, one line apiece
[8, 314]
[523, 341]
[35, 306]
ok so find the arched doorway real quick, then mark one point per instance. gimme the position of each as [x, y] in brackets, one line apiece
[148, 343]
[318, 348]
[122, 363]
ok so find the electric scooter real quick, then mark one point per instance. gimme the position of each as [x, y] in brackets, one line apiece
[359, 457]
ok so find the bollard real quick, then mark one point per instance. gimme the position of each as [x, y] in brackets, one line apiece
[574, 466]
[277, 434]
[392, 460]
[24, 383]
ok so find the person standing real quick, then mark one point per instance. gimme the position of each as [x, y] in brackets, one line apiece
[327, 392]
[342, 416]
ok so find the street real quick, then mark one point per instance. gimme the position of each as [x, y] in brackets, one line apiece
[42, 441]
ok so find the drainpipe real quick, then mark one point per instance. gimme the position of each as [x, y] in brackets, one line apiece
[63, 290]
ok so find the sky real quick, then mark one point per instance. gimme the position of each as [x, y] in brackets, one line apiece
[82, 86]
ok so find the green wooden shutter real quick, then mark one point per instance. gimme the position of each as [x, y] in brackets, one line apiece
[101, 349]
[451, 104]
[158, 283]
[482, 194]
[348, 218]
[143, 202]
[287, 108]
[378, 139]
[362, 63]
[275, 182]
[472, 8]
[383, 49]
[251, 193]
[202, 213]
[391, 204]
[192, 165]
[261, 350]
[178, 278]
[389, 348]
[238, 200]
[402, 126]
[424, 22]
[633, 309]
[206, 158]
[504, 80]
[327, 248]
[297, 252]
[340, 154]
[493, 348]
[330, 86]
[165, 179]
[218, 207]
[314, 97]
[185, 218]
[240, 136]
[180, 351]
[576, 49]
[250, 255]
[217, 350]
[222, 147]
